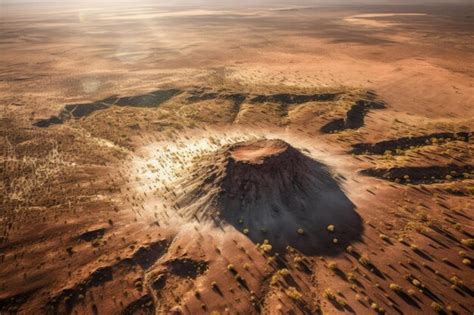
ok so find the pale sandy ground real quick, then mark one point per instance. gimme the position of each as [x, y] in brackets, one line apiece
[418, 65]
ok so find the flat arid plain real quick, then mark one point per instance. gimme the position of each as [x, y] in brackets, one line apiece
[223, 159]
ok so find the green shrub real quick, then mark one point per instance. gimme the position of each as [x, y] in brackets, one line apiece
[293, 293]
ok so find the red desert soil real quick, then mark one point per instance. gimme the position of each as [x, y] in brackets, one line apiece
[236, 160]
[257, 152]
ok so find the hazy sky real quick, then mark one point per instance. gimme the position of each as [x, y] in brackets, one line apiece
[247, 2]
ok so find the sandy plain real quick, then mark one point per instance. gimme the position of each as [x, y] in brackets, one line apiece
[106, 110]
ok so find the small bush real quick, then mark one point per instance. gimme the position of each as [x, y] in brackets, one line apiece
[364, 260]
[350, 276]
[384, 237]
[275, 278]
[395, 287]
[332, 265]
[456, 281]
[266, 247]
[468, 242]
[437, 307]
[231, 268]
[293, 293]
[329, 294]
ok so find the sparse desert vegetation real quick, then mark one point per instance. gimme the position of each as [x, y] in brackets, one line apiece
[156, 159]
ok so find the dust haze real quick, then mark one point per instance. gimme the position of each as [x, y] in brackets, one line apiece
[224, 157]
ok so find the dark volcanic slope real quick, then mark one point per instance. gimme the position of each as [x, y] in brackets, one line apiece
[270, 190]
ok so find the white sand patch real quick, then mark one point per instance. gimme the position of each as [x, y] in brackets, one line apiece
[368, 19]
[165, 14]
